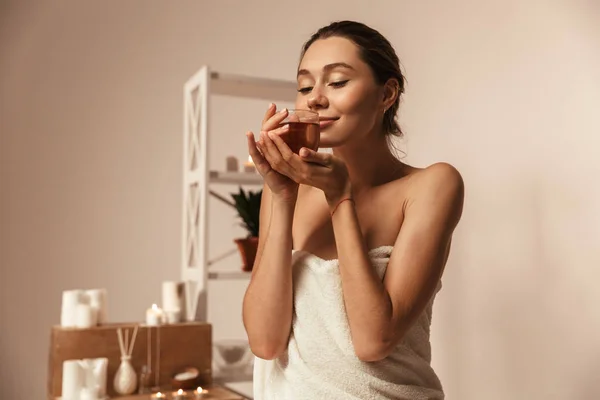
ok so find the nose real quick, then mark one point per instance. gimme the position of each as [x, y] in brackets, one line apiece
[317, 100]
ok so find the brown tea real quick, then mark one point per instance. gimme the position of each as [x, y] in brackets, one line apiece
[301, 134]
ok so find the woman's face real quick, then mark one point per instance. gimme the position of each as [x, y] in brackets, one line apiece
[336, 83]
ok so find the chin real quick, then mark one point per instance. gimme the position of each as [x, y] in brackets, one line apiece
[329, 139]
[325, 142]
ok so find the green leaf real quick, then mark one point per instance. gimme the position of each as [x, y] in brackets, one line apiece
[247, 205]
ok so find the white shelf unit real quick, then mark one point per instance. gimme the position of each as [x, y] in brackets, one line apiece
[198, 177]
[197, 180]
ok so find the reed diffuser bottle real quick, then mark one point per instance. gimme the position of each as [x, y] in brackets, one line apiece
[125, 381]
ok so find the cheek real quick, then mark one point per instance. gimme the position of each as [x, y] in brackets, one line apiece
[357, 99]
[358, 105]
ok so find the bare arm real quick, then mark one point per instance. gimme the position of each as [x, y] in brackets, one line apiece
[380, 313]
[267, 307]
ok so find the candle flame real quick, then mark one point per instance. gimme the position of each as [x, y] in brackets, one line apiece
[180, 392]
[155, 307]
[199, 389]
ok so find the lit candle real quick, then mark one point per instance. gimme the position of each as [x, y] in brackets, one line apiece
[154, 316]
[179, 395]
[249, 165]
[199, 393]
[158, 395]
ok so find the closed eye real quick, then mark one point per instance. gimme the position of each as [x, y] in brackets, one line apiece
[305, 90]
[338, 84]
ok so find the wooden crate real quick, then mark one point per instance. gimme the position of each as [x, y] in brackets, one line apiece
[181, 345]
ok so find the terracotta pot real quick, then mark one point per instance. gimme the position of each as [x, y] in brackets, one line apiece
[247, 247]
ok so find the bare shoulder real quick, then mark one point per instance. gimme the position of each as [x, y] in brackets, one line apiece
[440, 176]
[439, 185]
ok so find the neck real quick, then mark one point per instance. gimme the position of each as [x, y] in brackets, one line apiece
[369, 164]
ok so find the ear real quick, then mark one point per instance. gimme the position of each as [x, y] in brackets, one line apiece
[391, 91]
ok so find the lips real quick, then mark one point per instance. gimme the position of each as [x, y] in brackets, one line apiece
[324, 122]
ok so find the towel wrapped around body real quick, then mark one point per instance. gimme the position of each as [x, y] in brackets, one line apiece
[320, 362]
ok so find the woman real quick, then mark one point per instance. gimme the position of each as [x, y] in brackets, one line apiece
[352, 244]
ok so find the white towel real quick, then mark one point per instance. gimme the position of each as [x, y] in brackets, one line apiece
[320, 362]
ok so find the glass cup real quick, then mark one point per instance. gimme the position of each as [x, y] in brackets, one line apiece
[303, 130]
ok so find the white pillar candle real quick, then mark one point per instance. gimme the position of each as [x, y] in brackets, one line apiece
[85, 316]
[98, 301]
[70, 300]
[170, 296]
[172, 317]
[89, 394]
[72, 380]
[154, 316]
[231, 164]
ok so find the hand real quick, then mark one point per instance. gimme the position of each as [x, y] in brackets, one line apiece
[282, 187]
[320, 170]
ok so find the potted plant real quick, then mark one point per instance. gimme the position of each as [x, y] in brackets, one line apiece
[247, 204]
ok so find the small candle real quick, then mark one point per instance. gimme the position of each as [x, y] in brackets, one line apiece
[154, 316]
[158, 395]
[249, 165]
[179, 395]
[231, 164]
[199, 393]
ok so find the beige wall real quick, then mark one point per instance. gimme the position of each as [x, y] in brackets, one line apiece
[90, 168]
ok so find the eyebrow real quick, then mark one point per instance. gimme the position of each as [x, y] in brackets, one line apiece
[327, 68]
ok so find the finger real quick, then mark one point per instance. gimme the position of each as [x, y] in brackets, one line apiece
[262, 146]
[277, 131]
[287, 153]
[270, 151]
[259, 161]
[275, 120]
[294, 118]
[269, 113]
[312, 156]
[273, 155]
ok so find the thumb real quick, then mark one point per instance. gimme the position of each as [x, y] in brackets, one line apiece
[309, 155]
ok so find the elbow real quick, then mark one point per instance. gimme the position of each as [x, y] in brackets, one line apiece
[372, 353]
[266, 351]
[375, 346]
[376, 349]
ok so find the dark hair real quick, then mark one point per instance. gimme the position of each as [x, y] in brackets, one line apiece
[377, 52]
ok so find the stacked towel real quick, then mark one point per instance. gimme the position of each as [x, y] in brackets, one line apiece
[320, 362]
